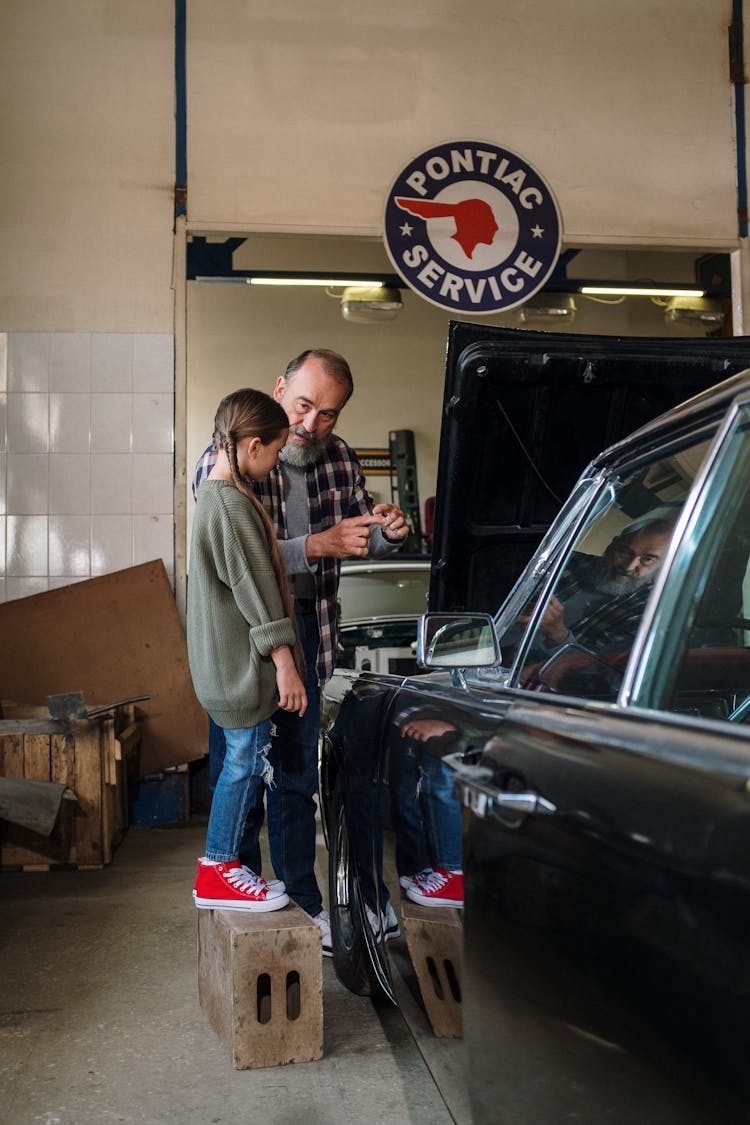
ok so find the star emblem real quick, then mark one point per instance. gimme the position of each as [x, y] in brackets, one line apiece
[407, 229]
[537, 231]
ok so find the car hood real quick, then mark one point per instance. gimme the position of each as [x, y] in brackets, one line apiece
[523, 415]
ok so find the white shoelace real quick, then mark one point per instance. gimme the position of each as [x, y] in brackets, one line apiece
[435, 881]
[243, 879]
[255, 878]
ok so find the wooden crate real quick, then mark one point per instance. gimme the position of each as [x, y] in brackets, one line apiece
[260, 982]
[434, 938]
[92, 758]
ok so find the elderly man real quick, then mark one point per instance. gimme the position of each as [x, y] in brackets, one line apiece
[323, 513]
[599, 600]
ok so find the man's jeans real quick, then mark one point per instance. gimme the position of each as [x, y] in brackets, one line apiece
[291, 806]
[238, 788]
[426, 815]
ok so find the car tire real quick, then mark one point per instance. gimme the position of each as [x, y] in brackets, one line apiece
[350, 955]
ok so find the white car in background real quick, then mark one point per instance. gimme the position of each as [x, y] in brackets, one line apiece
[380, 602]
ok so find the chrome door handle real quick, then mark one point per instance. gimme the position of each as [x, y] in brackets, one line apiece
[484, 799]
[524, 803]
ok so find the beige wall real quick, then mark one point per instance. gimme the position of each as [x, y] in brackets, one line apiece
[301, 114]
[87, 126]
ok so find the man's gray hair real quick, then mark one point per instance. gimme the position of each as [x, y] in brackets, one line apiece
[334, 365]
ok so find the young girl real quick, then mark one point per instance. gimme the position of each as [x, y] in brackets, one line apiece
[241, 639]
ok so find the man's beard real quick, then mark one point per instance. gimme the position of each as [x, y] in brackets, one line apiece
[605, 582]
[304, 453]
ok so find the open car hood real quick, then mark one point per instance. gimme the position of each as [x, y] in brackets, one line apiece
[523, 415]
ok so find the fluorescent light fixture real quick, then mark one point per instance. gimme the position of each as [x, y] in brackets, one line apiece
[638, 291]
[368, 305]
[329, 282]
[548, 307]
[695, 310]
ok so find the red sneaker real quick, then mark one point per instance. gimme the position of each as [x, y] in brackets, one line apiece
[441, 888]
[230, 886]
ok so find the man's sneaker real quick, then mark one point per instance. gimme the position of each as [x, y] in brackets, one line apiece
[441, 888]
[385, 927]
[323, 922]
[230, 886]
[407, 881]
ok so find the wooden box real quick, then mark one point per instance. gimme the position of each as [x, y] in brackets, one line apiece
[91, 757]
[260, 982]
[434, 938]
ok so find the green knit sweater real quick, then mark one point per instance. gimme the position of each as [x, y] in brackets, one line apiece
[235, 615]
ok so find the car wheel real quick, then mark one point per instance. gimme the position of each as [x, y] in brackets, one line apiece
[350, 954]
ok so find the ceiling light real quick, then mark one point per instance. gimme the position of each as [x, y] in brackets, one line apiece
[695, 310]
[548, 308]
[615, 290]
[328, 282]
[369, 305]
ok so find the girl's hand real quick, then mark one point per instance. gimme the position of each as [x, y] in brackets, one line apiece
[292, 694]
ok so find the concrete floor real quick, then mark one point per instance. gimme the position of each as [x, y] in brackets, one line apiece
[100, 1022]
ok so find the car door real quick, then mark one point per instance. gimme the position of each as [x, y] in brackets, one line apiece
[523, 414]
[607, 845]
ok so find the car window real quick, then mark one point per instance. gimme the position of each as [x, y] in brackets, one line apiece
[381, 591]
[575, 637]
[712, 673]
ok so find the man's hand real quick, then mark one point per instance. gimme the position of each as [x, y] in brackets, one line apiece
[395, 525]
[551, 623]
[346, 538]
[422, 730]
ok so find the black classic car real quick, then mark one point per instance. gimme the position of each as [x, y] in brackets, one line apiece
[595, 727]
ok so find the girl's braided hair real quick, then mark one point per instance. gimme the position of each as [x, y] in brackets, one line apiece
[250, 413]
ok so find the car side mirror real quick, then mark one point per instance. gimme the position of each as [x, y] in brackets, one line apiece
[457, 640]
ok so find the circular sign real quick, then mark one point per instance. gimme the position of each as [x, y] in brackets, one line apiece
[472, 227]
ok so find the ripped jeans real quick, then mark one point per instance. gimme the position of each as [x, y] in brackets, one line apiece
[244, 772]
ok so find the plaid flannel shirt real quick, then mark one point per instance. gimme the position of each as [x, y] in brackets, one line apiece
[335, 490]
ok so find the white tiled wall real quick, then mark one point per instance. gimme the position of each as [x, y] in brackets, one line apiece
[86, 456]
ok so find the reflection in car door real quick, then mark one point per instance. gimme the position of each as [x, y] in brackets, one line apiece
[610, 921]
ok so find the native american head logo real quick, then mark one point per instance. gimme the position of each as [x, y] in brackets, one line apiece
[475, 220]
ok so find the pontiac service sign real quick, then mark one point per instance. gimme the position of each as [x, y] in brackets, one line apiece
[472, 227]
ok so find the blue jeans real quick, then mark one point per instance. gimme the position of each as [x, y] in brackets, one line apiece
[240, 782]
[424, 811]
[406, 811]
[442, 813]
[290, 801]
[249, 851]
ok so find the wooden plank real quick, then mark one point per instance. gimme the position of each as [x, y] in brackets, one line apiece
[29, 758]
[128, 741]
[11, 755]
[87, 847]
[62, 759]
[11, 765]
[36, 757]
[128, 641]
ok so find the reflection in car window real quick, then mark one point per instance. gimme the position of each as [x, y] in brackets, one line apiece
[713, 676]
[579, 635]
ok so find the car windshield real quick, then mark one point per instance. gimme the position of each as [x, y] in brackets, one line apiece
[383, 591]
